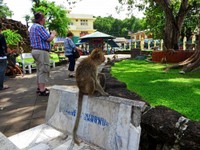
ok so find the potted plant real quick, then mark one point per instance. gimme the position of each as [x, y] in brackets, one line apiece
[12, 38]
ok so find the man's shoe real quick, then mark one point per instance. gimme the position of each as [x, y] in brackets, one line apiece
[38, 90]
[71, 76]
[5, 87]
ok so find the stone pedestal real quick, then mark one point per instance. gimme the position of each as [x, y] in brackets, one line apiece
[135, 52]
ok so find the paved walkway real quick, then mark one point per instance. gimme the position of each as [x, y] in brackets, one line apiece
[20, 107]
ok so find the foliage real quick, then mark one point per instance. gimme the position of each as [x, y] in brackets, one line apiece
[134, 24]
[4, 10]
[173, 90]
[165, 15]
[191, 21]
[155, 18]
[117, 27]
[12, 37]
[56, 16]
[27, 19]
[104, 24]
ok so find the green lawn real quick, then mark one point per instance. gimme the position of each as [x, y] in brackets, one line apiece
[176, 91]
[53, 56]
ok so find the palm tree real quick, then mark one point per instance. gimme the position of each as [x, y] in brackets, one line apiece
[27, 19]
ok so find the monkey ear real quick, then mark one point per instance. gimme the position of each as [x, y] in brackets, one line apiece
[96, 55]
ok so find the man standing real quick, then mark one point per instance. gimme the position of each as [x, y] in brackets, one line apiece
[3, 59]
[40, 42]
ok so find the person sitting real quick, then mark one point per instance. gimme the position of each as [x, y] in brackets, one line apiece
[12, 67]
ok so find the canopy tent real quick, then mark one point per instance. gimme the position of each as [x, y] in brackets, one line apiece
[120, 40]
[97, 39]
[112, 43]
[97, 34]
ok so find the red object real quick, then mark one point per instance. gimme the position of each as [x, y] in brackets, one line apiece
[80, 52]
[171, 57]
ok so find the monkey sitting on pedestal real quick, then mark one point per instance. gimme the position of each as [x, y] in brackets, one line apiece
[89, 81]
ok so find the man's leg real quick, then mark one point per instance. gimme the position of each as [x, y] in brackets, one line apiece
[3, 64]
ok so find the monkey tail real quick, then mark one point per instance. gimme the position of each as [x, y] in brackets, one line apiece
[79, 110]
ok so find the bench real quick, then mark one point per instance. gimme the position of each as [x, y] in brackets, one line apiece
[28, 63]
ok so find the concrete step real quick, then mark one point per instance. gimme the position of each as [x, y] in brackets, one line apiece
[6, 144]
[44, 137]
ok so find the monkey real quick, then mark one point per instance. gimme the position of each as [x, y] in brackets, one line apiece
[115, 57]
[89, 81]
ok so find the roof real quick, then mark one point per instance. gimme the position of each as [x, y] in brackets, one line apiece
[121, 40]
[97, 34]
[112, 43]
[80, 16]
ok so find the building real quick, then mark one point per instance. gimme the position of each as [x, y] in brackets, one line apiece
[140, 35]
[81, 24]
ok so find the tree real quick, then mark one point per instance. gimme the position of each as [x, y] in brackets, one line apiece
[27, 19]
[4, 10]
[156, 21]
[191, 21]
[104, 24]
[12, 37]
[56, 16]
[117, 27]
[190, 64]
[134, 24]
[174, 15]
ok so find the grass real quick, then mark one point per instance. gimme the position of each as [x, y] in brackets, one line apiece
[173, 90]
[53, 56]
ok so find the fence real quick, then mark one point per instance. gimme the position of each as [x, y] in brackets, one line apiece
[158, 44]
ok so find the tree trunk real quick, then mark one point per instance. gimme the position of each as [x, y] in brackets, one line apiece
[173, 22]
[190, 64]
[171, 35]
[193, 63]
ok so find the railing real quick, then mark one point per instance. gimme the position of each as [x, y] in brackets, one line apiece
[158, 44]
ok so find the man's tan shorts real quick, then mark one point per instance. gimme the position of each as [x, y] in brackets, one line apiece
[42, 65]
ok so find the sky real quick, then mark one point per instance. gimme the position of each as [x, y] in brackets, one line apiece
[101, 8]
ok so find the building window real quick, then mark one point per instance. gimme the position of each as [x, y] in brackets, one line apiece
[84, 22]
[71, 23]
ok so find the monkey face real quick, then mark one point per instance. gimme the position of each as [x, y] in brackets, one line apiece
[98, 55]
